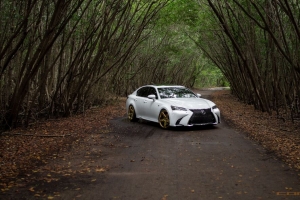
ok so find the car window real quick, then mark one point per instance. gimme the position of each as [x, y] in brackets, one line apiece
[152, 91]
[175, 92]
[143, 92]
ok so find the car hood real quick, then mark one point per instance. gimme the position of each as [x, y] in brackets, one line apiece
[189, 103]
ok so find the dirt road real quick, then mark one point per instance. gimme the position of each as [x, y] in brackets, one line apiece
[199, 163]
[136, 161]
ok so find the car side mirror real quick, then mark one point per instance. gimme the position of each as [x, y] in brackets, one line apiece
[199, 95]
[152, 96]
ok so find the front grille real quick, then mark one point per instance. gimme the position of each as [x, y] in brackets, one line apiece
[202, 116]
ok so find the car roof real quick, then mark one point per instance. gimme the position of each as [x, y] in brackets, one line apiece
[163, 86]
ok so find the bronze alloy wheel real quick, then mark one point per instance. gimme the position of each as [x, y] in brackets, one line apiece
[163, 119]
[131, 113]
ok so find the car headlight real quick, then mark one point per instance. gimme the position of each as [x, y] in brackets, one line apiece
[215, 107]
[178, 108]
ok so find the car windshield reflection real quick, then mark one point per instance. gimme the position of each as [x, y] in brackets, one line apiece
[173, 92]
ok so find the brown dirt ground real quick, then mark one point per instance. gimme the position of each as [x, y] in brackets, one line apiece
[22, 151]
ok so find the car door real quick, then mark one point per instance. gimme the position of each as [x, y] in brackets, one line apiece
[141, 96]
[151, 105]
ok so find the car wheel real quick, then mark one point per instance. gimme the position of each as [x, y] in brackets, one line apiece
[163, 119]
[131, 114]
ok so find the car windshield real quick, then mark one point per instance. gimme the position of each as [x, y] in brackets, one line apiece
[175, 92]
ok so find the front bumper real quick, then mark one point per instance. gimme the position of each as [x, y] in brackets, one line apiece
[195, 117]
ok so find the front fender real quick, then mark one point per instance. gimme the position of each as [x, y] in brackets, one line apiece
[175, 115]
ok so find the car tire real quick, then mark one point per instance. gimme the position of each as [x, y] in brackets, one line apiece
[164, 119]
[131, 114]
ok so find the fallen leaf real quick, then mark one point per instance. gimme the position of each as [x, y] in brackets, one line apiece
[100, 170]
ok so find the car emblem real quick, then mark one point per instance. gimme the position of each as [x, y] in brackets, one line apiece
[202, 112]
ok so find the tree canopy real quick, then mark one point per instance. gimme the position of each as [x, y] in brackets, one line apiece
[58, 58]
[256, 46]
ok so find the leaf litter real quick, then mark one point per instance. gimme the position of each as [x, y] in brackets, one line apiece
[25, 153]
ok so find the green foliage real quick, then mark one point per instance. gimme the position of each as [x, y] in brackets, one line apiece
[177, 23]
[180, 12]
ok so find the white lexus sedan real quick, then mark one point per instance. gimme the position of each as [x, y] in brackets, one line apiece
[171, 106]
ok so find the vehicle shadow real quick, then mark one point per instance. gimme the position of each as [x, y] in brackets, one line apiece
[174, 129]
[194, 128]
[123, 128]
